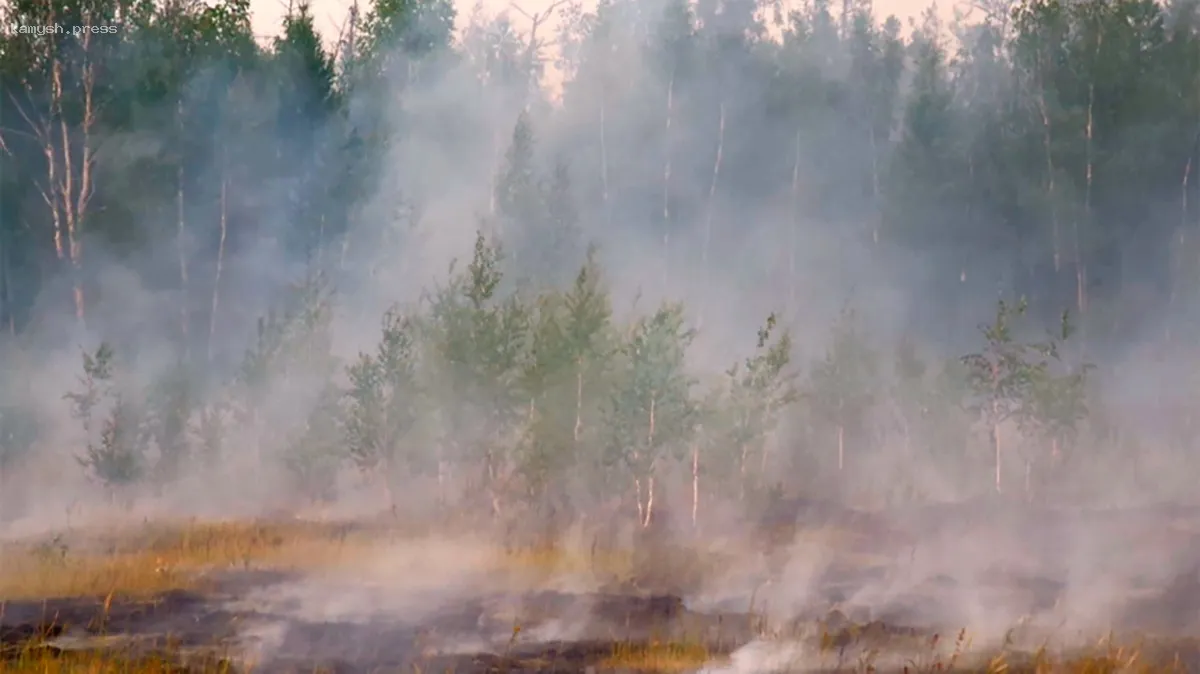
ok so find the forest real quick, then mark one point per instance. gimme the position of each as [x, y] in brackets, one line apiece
[673, 257]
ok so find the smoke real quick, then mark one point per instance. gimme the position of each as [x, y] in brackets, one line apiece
[730, 201]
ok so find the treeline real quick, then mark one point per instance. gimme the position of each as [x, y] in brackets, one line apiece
[1046, 151]
[162, 183]
[516, 399]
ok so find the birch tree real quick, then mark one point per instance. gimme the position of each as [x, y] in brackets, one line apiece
[651, 415]
[839, 387]
[759, 391]
[1001, 377]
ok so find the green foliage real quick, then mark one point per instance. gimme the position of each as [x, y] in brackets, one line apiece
[313, 458]
[95, 380]
[537, 213]
[287, 341]
[1048, 142]
[839, 388]
[115, 452]
[384, 399]
[477, 344]
[1003, 374]
[406, 28]
[651, 415]
[925, 400]
[757, 393]
[1059, 399]
[169, 407]
[564, 377]
[518, 200]
[118, 459]
[1011, 379]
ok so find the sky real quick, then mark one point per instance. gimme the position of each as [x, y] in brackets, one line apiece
[330, 15]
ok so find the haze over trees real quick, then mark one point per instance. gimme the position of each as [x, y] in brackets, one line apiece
[251, 242]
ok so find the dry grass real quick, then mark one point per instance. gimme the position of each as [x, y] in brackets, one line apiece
[162, 558]
[39, 660]
[155, 558]
[150, 559]
[658, 657]
[555, 560]
[654, 658]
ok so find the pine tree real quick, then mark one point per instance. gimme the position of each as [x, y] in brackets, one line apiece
[479, 345]
[307, 100]
[518, 197]
[313, 457]
[384, 403]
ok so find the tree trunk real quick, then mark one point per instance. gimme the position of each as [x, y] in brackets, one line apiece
[743, 459]
[68, 189]
[1181, 263]
[492, 192]
[491, 477]
[1080, 264]
[695, 485]
[666, 232]
[708, 217]
[877, 210]
[1050, 184]
[78, 197]
[995, 416]
[650, 477]
[996, 448]
[385, 476]
[649, 499]
[7, 315]
[578, 400]
[1029, 480]
[1178, 250]
[441, 479]
[766, 447]
[604, 158]
[637, 485]
[794, 231]
[841, 443]
[181, 240]
[220, 265]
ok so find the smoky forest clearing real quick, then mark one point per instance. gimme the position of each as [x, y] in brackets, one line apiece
[654, 336]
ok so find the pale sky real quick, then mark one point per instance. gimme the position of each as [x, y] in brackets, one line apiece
[331, 14]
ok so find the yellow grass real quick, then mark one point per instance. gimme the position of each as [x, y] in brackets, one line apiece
[550, 560]
[166, 558]
[34, 659]
[170, 556]
[657, 657]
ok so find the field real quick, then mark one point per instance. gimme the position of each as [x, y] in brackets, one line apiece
[297, 596]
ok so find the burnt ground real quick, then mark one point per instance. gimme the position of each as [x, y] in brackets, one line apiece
[1145, 564]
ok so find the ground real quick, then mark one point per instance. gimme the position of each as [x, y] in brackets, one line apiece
[824, 590]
